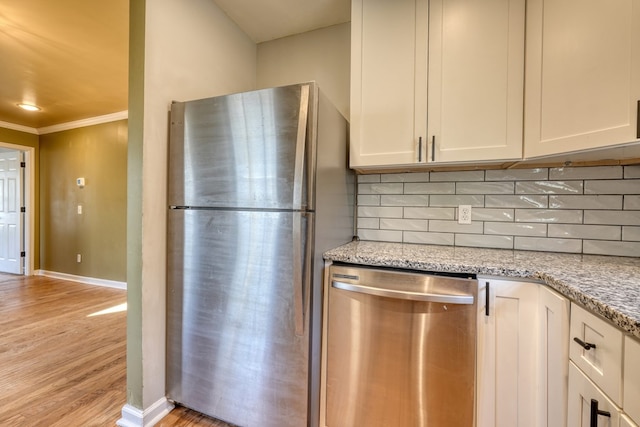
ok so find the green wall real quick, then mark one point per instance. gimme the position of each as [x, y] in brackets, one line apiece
[98, 154]
[15, 137]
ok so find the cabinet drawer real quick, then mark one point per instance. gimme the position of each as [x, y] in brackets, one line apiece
[602, 363]
[582, 392]
[631, 403]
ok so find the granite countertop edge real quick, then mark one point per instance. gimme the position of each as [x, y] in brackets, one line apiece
[606, 285]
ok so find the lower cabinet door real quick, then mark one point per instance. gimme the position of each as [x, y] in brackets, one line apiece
[588, 402]
[507, 349]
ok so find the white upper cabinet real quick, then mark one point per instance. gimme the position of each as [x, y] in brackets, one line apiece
[388, 82]
[470, 95]
[582, 75]
[475, 79]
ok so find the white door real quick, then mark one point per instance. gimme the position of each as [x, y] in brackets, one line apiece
[11, 219]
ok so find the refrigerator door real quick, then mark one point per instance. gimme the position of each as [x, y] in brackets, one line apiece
[243, 150]
[237, 302]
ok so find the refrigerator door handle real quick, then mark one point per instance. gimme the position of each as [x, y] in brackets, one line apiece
[298, 275]
[303, 114]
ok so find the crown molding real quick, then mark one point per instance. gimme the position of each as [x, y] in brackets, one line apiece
[84, 122]
[19, 128]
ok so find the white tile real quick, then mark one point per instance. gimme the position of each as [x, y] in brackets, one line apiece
[368, 200]
[381, 235]
[631, 233]
[368, 178]
[484, 187]
[594, 172]
[429, 188]
[428, 238]
[380, 211]
[631, 202]
[548, 244]
[612, 217]
[429, 213]
[454, 227]
[612, 248]
[371, 223]
[515, 229]
[458, 176]
[438, 200]
[521, 201]
[517, 174]
[612, 186]
[483, 241]
[585, 202]
[488, 214]
[405, 177]
[576, 231]
[549, 216]
[403, 224]
[632, 171]
[404, 200]
[380, 188]
[549, 187]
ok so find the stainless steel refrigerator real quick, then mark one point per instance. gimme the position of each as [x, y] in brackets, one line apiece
[258, 190]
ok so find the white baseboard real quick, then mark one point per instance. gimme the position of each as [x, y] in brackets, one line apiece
[134, 417]
[82, 279]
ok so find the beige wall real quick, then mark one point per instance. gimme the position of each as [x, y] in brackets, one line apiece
[177, 53]
[321, 55]
[10, 137]
[99, 154]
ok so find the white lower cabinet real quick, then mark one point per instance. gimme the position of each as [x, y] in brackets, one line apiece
[587, 402]
[522, 354]
[631, 379]
[553, 367]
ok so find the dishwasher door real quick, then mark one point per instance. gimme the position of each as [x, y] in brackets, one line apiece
[401, 349]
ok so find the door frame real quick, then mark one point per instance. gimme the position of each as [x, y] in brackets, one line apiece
[29, 225]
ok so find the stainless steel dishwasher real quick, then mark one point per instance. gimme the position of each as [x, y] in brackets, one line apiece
[401, 348]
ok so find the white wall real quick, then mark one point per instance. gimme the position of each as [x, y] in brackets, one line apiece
[192, 50]
[321, 55]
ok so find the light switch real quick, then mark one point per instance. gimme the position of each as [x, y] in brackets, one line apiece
[79, 209]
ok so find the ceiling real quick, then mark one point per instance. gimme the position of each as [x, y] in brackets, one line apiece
[70, 57]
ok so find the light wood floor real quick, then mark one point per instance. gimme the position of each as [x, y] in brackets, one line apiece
[61, 366]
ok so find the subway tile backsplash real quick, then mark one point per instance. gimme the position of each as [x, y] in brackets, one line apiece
[590, 210]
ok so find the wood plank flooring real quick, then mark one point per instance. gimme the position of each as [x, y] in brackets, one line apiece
[62, 363]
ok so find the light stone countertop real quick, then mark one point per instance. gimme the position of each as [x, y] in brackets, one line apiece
[606, 285]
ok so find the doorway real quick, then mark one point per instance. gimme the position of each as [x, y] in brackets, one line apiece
[17, 209]
[11, 211]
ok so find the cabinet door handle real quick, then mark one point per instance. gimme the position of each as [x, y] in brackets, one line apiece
[486, 296]
[585, 345]
[420, 150]
[593, 419]
[433, 148]
[638, 122]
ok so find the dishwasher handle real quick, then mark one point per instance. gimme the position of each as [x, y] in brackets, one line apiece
[404, 295]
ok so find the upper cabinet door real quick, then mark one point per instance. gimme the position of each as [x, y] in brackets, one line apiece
[388, 84]
[476, 79]
[583, 74]
[467, 56]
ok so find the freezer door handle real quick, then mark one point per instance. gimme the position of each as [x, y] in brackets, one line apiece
[302, 271]
[405, 295]
[298, 179]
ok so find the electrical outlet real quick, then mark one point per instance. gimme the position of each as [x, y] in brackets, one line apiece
[464, 214]
[78, 258]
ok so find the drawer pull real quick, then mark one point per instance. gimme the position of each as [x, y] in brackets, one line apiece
[593, 420]
[585, 345]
